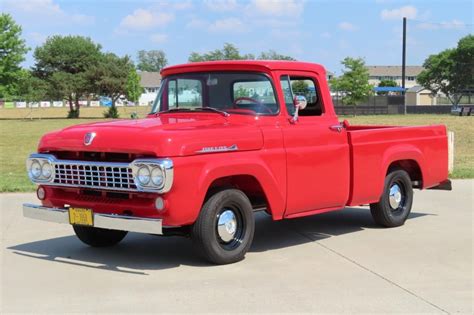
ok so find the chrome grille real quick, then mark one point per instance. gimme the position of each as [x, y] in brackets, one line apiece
[113, 176]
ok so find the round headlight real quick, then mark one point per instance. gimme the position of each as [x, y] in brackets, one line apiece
[143, 175]
[157, 177]
[46, 170]
[35, 169]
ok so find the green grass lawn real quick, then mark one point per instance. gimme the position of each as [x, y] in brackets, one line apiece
[52, 112]
[19, 138]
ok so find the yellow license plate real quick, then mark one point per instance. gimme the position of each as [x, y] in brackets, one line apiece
[81, 216]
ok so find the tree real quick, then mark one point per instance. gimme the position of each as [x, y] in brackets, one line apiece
[31, 88]
[451, 71]
[228, 52]
[111, 78]
[133, 86]
[354, 82]
[273, 55]
[64, 62]
[386, 83]
[12, 53]
[152, 60]
[299, 87]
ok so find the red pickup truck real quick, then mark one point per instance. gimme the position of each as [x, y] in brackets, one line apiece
[223, 140]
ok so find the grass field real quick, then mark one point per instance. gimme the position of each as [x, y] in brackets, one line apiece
[51, 112]
[19, 138]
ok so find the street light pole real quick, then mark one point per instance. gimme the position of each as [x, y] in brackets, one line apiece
[404, 57]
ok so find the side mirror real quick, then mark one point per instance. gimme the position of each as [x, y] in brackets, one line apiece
[300, 103]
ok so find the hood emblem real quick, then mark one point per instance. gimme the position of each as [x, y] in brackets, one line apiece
[222, 148]
[89, 137]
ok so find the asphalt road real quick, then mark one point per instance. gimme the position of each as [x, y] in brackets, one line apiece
[337, 262]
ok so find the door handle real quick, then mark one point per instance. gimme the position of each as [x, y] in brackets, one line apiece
[337, 128]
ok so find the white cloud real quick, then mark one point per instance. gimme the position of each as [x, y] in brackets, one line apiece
[197, 23]
[293, 8]
[408, 11]
[159, 38]
[142, 19]
[44, 7]
[450, 25]
[275, 23]
[49, 10]
[221, 5]
[183, 5]
[346, 26]
[325, 35]
[229, 25]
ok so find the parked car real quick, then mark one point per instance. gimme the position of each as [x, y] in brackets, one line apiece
[248, 140]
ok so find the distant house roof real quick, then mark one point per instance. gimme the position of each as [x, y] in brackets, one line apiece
[149, 79]
[393, 71]
[416, 89]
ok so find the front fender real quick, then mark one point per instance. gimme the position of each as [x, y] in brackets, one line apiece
[193, 175]
[256, 168]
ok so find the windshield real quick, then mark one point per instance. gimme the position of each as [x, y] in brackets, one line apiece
[227, 92]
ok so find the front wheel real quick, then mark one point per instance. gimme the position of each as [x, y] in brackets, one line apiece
[224, 229]
[395, 203]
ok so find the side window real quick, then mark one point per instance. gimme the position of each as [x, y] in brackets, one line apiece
[307, 88]
[292, 86]
[184, 93]
[286, 88]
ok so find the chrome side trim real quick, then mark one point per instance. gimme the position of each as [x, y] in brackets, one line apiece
[221, 148]
[105, 221]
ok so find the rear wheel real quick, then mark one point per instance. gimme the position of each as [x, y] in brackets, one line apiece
[97, 237]
[224, 229]
[395, 203]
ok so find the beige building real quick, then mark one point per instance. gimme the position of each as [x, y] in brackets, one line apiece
[150, 81]
[379, 73]
[418, 95]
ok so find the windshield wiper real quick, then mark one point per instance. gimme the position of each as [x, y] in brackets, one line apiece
[205, 108]
[175, 110]
[212, 109]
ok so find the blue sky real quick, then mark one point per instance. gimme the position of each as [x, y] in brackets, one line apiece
[317, 31]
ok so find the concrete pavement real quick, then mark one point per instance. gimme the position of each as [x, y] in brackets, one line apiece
[338, 262]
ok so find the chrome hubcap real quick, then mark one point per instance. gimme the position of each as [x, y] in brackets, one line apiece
[227, 225]
[395, 196]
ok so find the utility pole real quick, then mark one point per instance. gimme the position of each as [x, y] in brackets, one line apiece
[404, 59]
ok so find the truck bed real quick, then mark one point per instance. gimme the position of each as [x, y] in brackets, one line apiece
[374, 149]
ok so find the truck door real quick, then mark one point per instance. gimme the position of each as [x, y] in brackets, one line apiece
[318, 169]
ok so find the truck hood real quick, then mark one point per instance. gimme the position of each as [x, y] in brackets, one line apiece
[164, 136]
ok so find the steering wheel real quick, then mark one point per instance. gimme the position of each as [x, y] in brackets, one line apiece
[264, 107]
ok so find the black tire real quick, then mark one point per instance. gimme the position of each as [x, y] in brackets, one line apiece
[206, 237]
[385, 213]
[97, 237]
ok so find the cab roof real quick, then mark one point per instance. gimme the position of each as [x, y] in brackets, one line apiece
[243, 65]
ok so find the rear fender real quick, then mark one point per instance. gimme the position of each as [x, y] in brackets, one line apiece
[398, 153]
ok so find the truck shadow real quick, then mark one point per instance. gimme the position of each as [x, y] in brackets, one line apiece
[140, 253]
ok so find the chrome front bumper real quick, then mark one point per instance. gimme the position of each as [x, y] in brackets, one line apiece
[105, 221]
